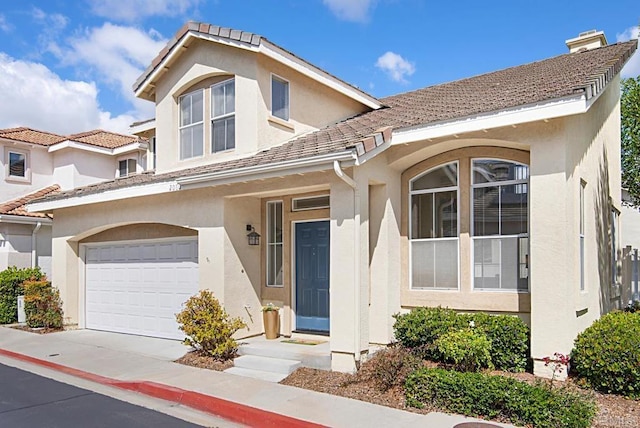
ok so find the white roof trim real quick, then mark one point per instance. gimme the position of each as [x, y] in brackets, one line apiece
[523, 114]
[272, 51]
[142, 127]
[222, 177]
[70, 144]
[19, 219]
[109, 195]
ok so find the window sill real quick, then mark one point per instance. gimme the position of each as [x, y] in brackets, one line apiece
[281, 122]
[18, 180]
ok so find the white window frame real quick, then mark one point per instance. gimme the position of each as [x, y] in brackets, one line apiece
[514, 183]
[583, 186]
[315, 207]
[274, 245]
[223, 117]
[275, 77]
[27, 165]
[410, 223]
[190, 125]
[127, 160]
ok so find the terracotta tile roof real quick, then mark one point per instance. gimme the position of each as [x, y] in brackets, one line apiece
[32, 136]
[18, 206]
[585, 73]
[106, 139]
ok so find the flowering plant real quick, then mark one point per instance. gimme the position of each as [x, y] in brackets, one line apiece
[270, 307]
[558, 363]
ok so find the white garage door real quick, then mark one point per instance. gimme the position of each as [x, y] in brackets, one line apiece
[138, 287]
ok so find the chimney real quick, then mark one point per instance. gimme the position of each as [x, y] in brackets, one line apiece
[588, 40]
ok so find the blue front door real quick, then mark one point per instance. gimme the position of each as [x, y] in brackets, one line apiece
[312, 276]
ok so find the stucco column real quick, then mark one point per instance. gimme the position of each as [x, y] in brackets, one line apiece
[349, 339]
[552, 307]
[66, 277]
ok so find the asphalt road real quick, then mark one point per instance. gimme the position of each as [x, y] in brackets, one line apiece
[28, 400]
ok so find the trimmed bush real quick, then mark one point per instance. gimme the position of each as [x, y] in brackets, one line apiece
[209, 327]
[466, 349]
[607, 354]
[11, 280]
[390, 367]
[42, 305]
[481, 395]
[509, 335]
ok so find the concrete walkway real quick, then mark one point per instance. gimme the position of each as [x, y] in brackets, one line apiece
[145, 365]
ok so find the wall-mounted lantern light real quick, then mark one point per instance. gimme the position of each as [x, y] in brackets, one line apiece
[253, 236]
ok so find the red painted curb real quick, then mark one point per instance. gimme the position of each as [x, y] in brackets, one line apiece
[226, 409]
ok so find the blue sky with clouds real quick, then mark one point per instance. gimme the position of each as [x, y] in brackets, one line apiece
[68, 66]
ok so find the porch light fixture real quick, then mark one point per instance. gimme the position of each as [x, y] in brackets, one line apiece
[253, 236]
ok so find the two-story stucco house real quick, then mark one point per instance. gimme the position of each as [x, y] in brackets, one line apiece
[34, 164]
[496, 193]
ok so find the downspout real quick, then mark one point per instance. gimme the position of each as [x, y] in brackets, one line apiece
[34, 241]
[356, 251]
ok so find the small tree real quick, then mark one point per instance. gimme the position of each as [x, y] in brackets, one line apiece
[208, 327]
[630, 137]
[42, 305]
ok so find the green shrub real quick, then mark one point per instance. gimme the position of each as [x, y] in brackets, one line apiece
[481, 395]
[607, 354]
[42, 305]
[509, 335]
[466, 349]
[208, 326]
[11, 280]
[390, 367]
[420, 328]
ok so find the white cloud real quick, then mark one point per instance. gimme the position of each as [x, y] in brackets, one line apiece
[4, 25]
[134, 10]
[632, 68]
[34, 96]
[116, 55]
[351, 10]
[396, 67]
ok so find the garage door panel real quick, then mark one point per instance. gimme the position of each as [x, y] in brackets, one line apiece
[139, 287]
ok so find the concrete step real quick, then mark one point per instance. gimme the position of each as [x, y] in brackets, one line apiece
[257, 374]
[317, 358]
[267, 364]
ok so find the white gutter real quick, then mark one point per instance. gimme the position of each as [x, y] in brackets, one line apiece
[68, 144]
[356, 251]
[34, 241]
[261, 171]
[18, 219]
[567, 106]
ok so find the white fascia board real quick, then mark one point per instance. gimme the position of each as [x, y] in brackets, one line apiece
[276, 53]
[557, 108]
[68, 144]
[297, 166]
[145, 126]
[106, 196]
[18, 219]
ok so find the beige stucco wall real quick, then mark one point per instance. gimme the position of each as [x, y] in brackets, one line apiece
[311, 104]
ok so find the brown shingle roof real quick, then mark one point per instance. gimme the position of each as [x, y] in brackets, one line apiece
[18, 206]
[32, 136]
[102, 138]
[585, 72]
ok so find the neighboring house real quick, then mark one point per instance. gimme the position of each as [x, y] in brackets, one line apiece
[35, 164]
[497, 193]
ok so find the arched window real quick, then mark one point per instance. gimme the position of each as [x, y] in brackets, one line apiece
[500, 225]
[433, 226]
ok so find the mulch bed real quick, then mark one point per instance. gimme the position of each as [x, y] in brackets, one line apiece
[613, 411]
[203, 361]
[36, 330]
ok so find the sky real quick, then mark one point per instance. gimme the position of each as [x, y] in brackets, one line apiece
[69, 66]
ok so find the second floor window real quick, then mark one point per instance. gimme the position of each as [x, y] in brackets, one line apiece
[17, 165]
[191, 124]
[279, 98]
[127, 167]
[223, 118]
